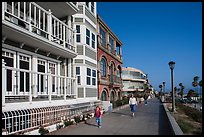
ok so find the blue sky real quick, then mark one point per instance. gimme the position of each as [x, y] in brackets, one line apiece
[154, 33]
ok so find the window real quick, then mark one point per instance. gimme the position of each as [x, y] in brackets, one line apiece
[103, 67]
[87, 4]
[78, 75]
[92, 7]
[78, 38]
[77, 70]
[93, 77]
[88, 78]
[78, 28]
[102, 37]
[52, 67]
[78, 35]
[87, 37]
[118, 48]
[111, 43]
[118, 73]
[93, 41]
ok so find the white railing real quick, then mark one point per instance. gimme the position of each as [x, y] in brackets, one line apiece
[62, 34]
[28, 119]
[37, 20]
[20, 82]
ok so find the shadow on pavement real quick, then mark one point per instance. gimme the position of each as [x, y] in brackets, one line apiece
[164, 125]
[119, 113]
[90, 124]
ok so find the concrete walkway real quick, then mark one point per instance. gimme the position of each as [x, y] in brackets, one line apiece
[149, 119]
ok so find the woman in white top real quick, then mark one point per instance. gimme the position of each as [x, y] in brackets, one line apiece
[132, 103]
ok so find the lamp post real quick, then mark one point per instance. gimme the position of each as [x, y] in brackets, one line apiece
[164, 89]
[171, 65]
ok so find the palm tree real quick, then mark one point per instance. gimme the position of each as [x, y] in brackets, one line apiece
[195, 82]
[175, 89]
[160, 86]
[146, 86]
[190, 93]
[200, 84]
[178, 89]
[182, 88]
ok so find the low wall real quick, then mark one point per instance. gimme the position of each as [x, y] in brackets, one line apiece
[174, 125]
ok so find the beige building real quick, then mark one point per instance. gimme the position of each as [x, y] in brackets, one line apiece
[133, 80]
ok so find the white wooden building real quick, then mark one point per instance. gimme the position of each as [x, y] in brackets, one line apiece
[39, 82]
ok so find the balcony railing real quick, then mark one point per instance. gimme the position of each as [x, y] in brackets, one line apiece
[35, 19]
[17, 83]
[115, 80]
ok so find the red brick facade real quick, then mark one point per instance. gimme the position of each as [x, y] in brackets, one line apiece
[105, 85]
[109, 63]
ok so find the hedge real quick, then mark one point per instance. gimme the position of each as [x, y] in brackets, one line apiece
[191, 112]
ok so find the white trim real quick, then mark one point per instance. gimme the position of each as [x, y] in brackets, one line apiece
[9, 47]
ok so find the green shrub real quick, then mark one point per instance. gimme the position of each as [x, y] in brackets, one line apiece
[125, 101]
[77, 119]
[43, 131]
[67, 123]
[118, 103]
[185, 126]
[191, 112]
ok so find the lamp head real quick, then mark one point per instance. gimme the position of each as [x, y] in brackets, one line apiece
[171, 65]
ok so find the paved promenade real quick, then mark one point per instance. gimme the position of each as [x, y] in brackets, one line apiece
[149, 119]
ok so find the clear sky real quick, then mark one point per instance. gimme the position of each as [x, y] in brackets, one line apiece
[154, 33]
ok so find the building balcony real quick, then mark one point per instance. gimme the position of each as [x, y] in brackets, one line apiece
[134, 88]
[131, 78]
[60, 9]
[103, 81]
[20, 85]
[28, 23]
[115, 81]
[108, 50]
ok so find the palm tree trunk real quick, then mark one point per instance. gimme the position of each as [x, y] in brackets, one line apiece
[200, 94]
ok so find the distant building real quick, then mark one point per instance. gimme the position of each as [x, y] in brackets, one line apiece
[133, 80]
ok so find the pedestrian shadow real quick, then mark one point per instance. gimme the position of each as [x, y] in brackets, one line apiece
[120, 113]
[90, 124]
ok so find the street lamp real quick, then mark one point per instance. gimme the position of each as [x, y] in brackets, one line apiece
[172, 65]
[164, 89]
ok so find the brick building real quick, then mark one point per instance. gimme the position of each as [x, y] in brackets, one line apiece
[109, 58]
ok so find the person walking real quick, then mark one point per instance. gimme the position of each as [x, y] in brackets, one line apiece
[98, 115]
[132, 103]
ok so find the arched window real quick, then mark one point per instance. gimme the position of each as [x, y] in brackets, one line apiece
[103, 67]
[112, 96]
[119, 71]
[103, 96]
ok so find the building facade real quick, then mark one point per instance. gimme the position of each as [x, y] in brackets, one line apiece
[109, 63]
[133, 80]
[39, 59]
[85, 64]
